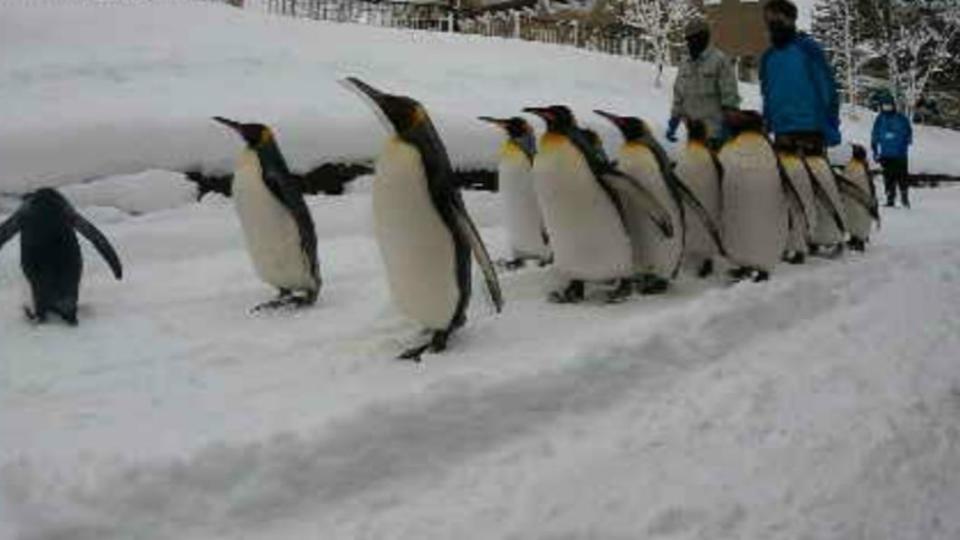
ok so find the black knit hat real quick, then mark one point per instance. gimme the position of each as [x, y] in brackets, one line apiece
[785, 7]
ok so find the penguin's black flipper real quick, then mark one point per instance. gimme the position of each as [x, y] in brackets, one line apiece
[278, 180]
[794, 199]
[9, 228]
[691, 200]
[623, 185]
[465, 224]
[855, 193]
[99, 241]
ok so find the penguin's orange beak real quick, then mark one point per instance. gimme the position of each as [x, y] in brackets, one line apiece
[232, 124]
[543, 112]
[502, 122]
[616, 119]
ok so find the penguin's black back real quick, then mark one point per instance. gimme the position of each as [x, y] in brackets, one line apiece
[49, 252]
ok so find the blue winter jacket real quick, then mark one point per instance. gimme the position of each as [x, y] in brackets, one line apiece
[799, 90]
[892, 135]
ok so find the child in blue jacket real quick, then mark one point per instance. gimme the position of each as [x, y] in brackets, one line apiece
[891, 140]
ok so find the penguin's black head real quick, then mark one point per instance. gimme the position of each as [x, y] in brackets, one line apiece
[696, 131]
[559, 118]
[47, 201]
[515, 127]
[859, 153]
[401, 113]
[255, 135]
[631, 127]
[745, 122]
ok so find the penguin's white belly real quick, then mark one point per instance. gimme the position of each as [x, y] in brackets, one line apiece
[858, 218]
[521, 211]
[826, 230]
[270, 232]
[696, 170]
[417, 247]
[802, 224]
[653, 253]
[754, 210]
[586, 234]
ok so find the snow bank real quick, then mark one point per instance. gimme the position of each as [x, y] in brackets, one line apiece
[102, 89]
[140, 193]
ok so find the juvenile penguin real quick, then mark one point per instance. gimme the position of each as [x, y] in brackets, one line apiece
[802, 217]
[526, 234]
[655, 258]
[421, 224]
[859, 199]
[699, 170]
[277, 227]
[831, 225]
[586, 206]
[753, 202]
[50, 254]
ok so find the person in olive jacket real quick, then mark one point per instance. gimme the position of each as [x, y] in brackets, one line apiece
[706, 86]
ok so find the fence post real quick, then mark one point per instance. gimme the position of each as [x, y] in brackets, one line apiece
[516, 25]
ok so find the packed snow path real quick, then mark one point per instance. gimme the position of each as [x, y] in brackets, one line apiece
[823, 404]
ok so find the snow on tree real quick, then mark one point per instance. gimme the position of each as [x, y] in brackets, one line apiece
[917, 41]
[661, 23]
[838, 27]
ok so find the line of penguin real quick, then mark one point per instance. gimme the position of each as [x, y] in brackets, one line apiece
[619, 226]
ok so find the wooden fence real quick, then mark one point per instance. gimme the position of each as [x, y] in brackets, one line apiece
[438, 16]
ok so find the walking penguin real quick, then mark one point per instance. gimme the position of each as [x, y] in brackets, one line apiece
[421, 224]
[522, 218]
[279, 232]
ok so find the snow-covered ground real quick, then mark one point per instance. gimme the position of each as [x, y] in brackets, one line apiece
[824, 404]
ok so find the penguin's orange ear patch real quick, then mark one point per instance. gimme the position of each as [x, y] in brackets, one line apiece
[265, 136]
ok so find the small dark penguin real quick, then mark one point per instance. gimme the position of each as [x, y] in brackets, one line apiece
[50, 254]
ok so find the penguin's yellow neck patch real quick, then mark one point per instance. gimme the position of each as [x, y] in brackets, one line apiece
[551, 141]
[265, 137]
[510, 150]
[635, 145]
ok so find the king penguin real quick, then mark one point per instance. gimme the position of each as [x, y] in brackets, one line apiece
[522, 217]
[657, 259]
[276, 222]
[803, 217]
[831, 224]
[421, 224]
[588, 205]
[700, 171]
[50, 255]
[859, 199]
[754, 204]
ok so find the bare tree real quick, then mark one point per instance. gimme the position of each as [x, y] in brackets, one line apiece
[917, 42]
[661, 23]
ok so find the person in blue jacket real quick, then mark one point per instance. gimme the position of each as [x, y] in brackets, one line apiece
[800, 101]
[891, 140]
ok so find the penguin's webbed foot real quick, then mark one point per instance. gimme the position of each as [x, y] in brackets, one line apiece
[651, 284]
[857, 244]
[35, 317]
[706, 269]
[571, 294]
[287, 298]
[795, 257]
[437, 343]
[620, 294]
[545, 261]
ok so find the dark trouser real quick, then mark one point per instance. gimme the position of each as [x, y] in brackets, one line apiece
[895, 177]
[810, 143]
